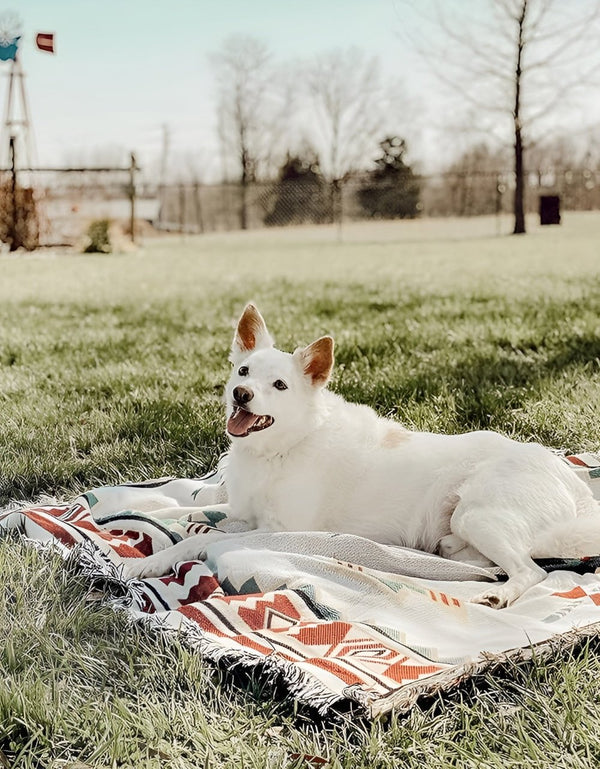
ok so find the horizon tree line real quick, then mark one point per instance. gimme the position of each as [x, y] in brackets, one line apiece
[510, 67]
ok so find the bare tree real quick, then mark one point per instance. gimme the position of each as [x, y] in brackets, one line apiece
[353, 109]
[250, 110]
[349, 111]
[519, 63]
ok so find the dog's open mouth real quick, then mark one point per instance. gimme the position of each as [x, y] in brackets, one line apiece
[241, 422]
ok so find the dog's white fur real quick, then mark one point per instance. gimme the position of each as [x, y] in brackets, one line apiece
[326, 464]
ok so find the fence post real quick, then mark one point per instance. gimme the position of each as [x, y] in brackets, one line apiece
[500, 190]
[12, 235]
[182, 208]
[199, 218]
[132, 169]
[244, 203]
[339, 215]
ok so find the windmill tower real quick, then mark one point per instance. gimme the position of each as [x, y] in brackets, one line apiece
[16, 120]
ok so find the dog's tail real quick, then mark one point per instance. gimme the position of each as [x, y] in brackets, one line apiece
[576, 538]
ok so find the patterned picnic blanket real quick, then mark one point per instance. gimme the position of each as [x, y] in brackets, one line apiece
[337, 618]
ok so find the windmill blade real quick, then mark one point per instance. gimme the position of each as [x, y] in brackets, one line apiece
[45, 41]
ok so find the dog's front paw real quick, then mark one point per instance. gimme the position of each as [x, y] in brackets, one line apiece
[152, 566]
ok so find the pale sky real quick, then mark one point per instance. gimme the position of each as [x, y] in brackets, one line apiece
[124, 68]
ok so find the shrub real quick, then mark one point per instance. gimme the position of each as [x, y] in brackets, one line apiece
[98, 235]
[22, 230]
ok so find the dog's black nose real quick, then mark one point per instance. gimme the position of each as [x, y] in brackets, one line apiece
[242, 395]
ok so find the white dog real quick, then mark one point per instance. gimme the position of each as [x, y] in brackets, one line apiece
[302, 458]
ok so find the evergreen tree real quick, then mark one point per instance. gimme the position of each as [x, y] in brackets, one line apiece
[391, 190]
[300, 195]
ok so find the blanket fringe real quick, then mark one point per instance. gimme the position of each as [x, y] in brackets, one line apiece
[404, 700]
[124, 593]
[273, 668]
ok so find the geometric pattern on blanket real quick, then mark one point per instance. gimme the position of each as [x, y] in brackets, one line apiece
[337, 618]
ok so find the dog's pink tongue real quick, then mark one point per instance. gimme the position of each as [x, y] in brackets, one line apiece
[240, 422]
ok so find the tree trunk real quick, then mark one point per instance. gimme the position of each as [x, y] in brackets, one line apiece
[519, 208]
[244, 205]
[244, 189]
[519, 202]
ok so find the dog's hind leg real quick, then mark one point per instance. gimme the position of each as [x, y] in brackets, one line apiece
[489, 531]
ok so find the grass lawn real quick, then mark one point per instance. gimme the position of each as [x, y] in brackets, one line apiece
[112, 369]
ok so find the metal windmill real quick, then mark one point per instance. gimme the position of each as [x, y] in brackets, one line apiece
[16, 121]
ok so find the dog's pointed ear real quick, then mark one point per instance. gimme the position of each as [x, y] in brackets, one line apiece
[251, 333]
[317, 360]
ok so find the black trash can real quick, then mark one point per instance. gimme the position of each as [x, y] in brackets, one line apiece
[549, 209]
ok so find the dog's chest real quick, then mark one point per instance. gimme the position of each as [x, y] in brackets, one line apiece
[269, 493]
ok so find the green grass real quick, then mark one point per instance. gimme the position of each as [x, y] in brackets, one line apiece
[112, 368]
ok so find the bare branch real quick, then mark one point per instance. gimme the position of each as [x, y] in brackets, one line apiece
[252, 107]
[520, 58]
[350, 106]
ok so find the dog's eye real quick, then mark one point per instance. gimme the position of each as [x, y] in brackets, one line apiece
[243, 371]
[279, 384]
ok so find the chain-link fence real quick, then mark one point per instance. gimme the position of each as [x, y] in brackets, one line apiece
[56, 206]
[52, 207]
[210, 208]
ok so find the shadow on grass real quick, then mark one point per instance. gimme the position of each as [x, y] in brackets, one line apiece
[482, 386]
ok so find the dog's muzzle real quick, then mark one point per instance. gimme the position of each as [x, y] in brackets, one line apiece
[242, 395]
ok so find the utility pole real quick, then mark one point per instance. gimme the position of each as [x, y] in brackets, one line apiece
[132, 170]
[162, 176]
[164, 156]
